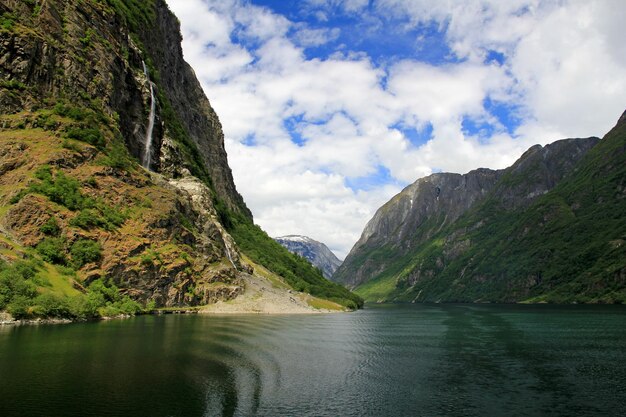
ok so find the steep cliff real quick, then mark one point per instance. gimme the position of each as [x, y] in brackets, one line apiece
[548, 228]
[190, 107]
[89, 90]
[315, 252]
[411, 218]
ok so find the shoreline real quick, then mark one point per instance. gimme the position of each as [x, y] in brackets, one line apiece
[260, 297]
[218, 309]
[9, 322]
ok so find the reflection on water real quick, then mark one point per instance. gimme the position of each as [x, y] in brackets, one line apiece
[456, 360]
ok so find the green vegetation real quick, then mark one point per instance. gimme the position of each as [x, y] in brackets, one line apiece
[72, 146]
[89, 126]
[101, 216]
[25, 293]
[63, 190]
[60, 189]
[568, 246]
[50, 227]
[137, 13]
[86, 40]
[12, 85]
[72, 112]
[52, 249]
[296, 271]
[319, 304]
[378, 288]
[117, 156]
[7, 22]
[151, 257]
[84, 251]
[92, 136]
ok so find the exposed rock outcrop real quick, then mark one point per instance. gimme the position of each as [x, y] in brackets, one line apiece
[412, 217]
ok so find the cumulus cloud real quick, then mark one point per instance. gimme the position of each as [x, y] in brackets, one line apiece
[561, 55]
[318, 142]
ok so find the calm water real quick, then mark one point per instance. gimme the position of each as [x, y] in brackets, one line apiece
[454, 360]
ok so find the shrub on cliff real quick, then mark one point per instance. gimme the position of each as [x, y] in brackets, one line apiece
[84, 251]
[52, 249]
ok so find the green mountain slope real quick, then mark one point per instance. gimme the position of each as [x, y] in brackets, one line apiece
[526, 240]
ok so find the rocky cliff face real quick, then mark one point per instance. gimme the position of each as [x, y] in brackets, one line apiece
[412, 217]
[190, 107]
[74, 51]
[75, 97]
[502, 235]
[540, 169]
[84, 51]
[315, 252]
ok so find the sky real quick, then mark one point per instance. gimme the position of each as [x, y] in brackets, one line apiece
[331, 107]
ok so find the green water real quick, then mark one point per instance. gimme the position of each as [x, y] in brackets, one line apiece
[417, 360]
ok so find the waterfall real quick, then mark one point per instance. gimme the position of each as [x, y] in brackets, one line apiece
[228, 255]
[147, 153]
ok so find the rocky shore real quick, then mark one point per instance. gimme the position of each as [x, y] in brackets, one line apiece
[260, 297]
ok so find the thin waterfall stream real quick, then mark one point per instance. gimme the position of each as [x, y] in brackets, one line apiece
[230, 258]
[147, 153]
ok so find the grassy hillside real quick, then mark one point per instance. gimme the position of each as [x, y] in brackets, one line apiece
[568, 246]
[296, 271]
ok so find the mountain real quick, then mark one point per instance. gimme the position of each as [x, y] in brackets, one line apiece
[115, 190]
[550, 228]
[315, 252]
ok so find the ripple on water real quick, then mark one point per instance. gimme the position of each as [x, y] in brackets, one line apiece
[381, 361]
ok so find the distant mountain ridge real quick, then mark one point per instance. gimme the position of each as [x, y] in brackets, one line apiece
[549, 228]
[315, 252]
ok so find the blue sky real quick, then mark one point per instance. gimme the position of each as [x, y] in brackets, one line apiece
[330, 107]
[383, 38]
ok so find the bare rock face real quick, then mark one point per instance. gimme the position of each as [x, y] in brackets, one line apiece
[442, 193]
[540, 169]
[206, 218]
[412, 217]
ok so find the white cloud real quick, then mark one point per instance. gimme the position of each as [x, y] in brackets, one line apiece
[566, 57]
[564, 70]
[446, 92]
[307, 37]
[567, 68]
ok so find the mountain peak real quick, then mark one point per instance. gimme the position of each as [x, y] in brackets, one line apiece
[295, 238]
[622, 119]
[315, 252]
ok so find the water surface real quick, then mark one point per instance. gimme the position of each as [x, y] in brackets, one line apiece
[390, 360]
